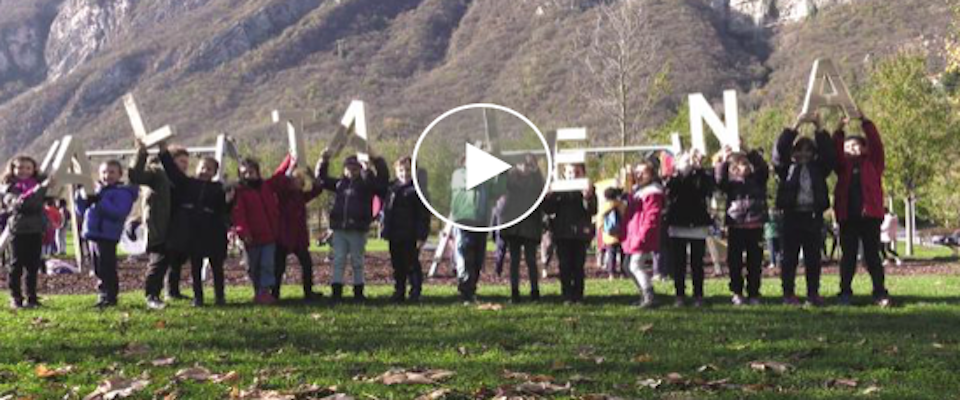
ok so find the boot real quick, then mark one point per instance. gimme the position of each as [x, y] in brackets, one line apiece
[358, 294]
[416, 287]
[648, 299]
[337, 292]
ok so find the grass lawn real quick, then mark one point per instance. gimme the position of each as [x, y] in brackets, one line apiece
[603, 347]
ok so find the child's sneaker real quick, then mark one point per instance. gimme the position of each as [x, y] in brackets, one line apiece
[843, 300]
[648, 300]
[16, 304]
[738, 300]
[680, 302]
[154, 303]
[815, 301]
[899, 262]
[697, 302]
[791, 301]
[884, 302]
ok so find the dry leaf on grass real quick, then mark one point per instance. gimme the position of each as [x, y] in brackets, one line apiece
[643, 358]
[201, 374]
[872, 389]
[136, 350]
[44, 372]
[398, 376]
[675, 378]
[438, 394]
[841, 383]
[490, 307]
[164, 362]
[600, 396]
[708, 367]
[543, 388]
[650, 383]
[771, 366]
[117, 388]
[646, 328]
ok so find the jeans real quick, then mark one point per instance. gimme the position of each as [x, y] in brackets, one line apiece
[103, 253]
[801, 230]
[529, 249]
[404, 257]
[641, 272]
[160, 262]
[351, 244]
[572, 254]
[306, 269]
[25, 256]
[260, 266]
[740, 241]
[471, 250]
[678, 250]
[196, 271]
[853, 233]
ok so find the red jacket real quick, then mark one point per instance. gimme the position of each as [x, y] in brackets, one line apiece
[294, 235]
[643, 220]
[256, 215]
[871, 174]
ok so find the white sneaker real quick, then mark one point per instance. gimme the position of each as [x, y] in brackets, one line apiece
[899, 262]
[737, 300]
[155, 303]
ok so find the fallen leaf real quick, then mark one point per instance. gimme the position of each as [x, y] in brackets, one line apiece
[160, 324]
[338, 396]
[117, 388]
[413, 377]
[559, 366]
[600, 397]
[229, 377]
[43, 372]
[708, 367]
[316, 316]
[164, 362]
[674, 378]
[650, 383]
[842, 383]
[872, 389]
[543, 388]
[135, 349]
[198, 374]
[772, 366]
[646, 328]
[435, 395]
[643, 358]
[490, 307]
[938, 345]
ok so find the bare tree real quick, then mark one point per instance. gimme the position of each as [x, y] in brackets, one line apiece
[624, 80]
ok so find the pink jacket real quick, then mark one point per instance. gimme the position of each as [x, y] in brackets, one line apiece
[643, 220]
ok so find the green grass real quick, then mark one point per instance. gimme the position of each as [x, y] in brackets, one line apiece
[908, 352]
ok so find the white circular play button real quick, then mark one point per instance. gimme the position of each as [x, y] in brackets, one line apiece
[482, 167]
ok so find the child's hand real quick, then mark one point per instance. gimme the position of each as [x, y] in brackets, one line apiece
[325, 155]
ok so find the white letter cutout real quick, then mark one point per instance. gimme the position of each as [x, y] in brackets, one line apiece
[561, 157]
[70, 166]
[827, 89]
[296, 122]
[700, 110]
[354, 119]
[139, 129]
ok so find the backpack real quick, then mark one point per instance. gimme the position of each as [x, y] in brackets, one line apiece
[612, 223]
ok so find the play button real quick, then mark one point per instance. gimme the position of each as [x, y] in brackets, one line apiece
[482, 167]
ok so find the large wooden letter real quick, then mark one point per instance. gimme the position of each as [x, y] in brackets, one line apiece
[354, 121]
[70, 166]
[225, 148]
[827, 89]
[296, 122]
[140, 129]
[562, 157]
[700, 110]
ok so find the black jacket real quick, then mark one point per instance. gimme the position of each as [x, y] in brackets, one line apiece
[820, 167]
[523, 191]
[687, 199]
[405, 217]
[572, 215]
[746, 200]
[26, 217]
[199, 217]
[353, 202]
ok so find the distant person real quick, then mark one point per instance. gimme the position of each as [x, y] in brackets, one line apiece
[105, 215]
[524, 186]
[66, 217]
[859, 207]
[742, 177]
[295, 189]
[199, 221]
[406, 226]
[773, 239]
[23, 189]
[352, 214]
[611, 226]
[645, 204]
[689, 190]
[803, 165]
[573, 231]
[53, 224]
[888, 238]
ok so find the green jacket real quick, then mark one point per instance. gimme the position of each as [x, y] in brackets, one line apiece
[157, 201]
[464, 204]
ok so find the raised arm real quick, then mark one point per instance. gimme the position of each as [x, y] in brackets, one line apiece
[782, 156]
[761, 170]
[826, 152]
[875, 151]
[173, 172]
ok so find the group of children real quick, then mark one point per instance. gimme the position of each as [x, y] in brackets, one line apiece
[193, 218]
[802, 165]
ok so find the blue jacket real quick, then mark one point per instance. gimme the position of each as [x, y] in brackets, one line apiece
[106, 213]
